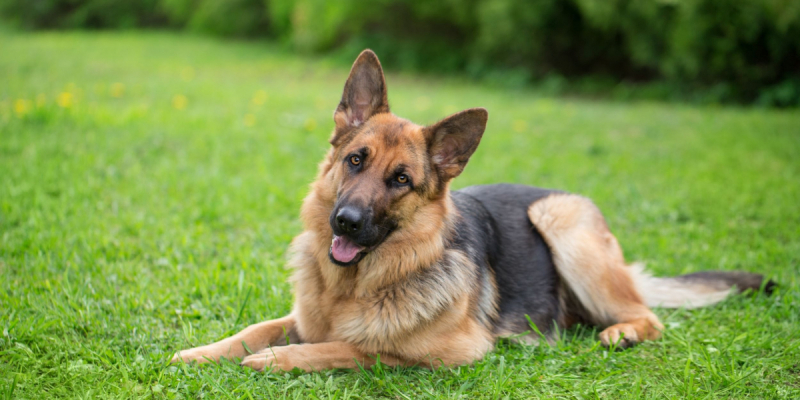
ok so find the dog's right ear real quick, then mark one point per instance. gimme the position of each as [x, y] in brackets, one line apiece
[452, 141]
[364, 95]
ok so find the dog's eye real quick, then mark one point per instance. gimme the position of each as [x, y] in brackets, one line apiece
[355, 160]
[402, 179]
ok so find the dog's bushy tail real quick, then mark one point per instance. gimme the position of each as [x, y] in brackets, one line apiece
[695, 290]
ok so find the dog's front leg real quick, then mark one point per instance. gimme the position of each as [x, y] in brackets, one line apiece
[255, 337]
[315, 357]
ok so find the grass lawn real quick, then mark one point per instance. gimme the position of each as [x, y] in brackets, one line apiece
[150, 184]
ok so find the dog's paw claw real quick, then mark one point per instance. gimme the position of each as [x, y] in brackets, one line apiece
[619, 335]
[256, 361]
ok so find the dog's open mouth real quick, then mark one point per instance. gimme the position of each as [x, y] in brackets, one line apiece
[345, 252]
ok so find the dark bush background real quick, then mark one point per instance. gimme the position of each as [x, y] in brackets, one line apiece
[745, 51]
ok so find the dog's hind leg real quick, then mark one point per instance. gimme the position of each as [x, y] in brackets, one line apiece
[590, 262]
[281, 331]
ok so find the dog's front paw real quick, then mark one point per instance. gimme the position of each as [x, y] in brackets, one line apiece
[271, 360]
[258, 362]
[620, 335]
[197, 354]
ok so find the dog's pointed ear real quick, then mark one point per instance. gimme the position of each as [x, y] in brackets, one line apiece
[452, 141]
[364, 95]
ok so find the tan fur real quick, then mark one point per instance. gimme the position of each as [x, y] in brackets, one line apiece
[255, 337]
[590, 261]
[673, 293]
[315, 357]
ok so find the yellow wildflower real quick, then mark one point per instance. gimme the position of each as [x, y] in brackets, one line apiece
[310, 124]
[260, 98]
[21, 107]
[519, 125]
[179, 101]
[64, 100]
[117, 89]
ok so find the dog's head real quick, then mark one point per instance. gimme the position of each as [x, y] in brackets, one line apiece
[383, 168]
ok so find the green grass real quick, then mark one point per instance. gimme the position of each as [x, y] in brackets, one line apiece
[131, 228]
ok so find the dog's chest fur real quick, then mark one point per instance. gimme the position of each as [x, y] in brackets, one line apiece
[409, 316]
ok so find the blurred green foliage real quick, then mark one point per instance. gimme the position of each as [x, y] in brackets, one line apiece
[72, 14]
[727, 50]
[224, 18]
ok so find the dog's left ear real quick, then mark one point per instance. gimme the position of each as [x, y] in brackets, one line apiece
[364, 95]
[452, 140]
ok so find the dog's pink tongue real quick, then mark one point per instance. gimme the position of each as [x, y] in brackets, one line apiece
[344, 250]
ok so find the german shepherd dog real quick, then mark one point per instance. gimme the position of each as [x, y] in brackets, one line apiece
[394, 267]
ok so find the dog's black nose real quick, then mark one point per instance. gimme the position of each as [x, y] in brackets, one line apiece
[350, 220]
